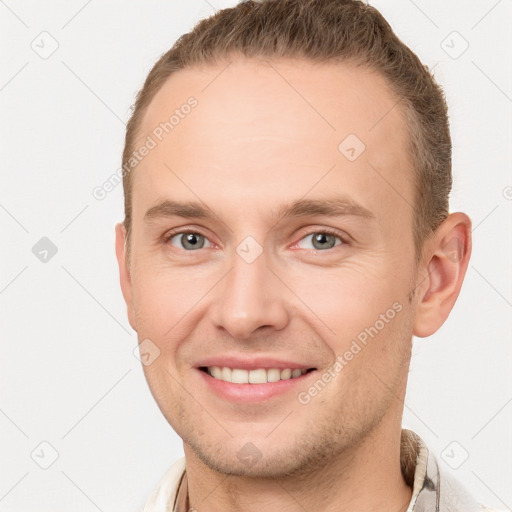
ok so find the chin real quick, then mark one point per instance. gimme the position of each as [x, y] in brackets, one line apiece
[257, 467]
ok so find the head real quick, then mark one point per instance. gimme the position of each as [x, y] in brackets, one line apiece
[296, 209]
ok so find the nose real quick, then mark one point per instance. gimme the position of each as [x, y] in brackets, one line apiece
[250, 297]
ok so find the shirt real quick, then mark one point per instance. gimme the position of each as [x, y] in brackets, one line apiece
[433, 490]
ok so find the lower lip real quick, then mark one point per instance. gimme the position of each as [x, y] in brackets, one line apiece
[252, 393]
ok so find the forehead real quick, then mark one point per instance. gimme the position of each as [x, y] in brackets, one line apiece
[276, 126]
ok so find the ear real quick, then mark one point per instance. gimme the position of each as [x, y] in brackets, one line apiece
[124, 272]
[441, 274]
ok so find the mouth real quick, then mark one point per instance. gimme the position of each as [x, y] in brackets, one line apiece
[255, 376]
[254, 385]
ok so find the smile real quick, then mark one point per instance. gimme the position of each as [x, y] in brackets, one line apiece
[256, 376]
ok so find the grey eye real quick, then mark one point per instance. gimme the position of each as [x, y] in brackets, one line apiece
[189, 241]
[320, 241]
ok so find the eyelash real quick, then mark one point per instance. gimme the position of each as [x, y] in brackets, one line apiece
[327, 231]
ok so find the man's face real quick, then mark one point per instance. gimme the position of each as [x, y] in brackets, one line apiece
[263, 286]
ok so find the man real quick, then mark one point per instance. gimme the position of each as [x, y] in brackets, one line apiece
[287, 169]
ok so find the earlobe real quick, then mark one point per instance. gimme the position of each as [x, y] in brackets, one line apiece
[124, 272]
[444, 268]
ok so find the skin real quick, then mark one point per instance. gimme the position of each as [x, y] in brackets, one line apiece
[266, 134]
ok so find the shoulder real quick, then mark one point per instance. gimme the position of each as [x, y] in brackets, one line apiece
[455, 497]
[164, 494]
[434, 487]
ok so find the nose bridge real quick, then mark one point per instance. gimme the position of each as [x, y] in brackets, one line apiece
[250, 296]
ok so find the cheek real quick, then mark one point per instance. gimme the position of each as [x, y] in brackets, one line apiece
[168, 302]
[164, 293]
[362, 316]
[155, 307]
[347, 299]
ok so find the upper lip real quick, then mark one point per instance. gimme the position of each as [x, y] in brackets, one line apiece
[252, 363]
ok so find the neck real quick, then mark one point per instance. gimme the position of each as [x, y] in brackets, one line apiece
[366, 478]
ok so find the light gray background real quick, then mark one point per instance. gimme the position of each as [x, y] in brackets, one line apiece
[68, 374]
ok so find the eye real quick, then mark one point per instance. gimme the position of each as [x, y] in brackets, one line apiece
[320, 240]
[189, 241]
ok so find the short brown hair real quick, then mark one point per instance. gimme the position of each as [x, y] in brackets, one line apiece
[322, 31]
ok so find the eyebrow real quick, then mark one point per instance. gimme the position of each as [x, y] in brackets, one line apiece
[336, 207]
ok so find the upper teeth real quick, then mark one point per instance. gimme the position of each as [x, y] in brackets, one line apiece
[258, 376]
